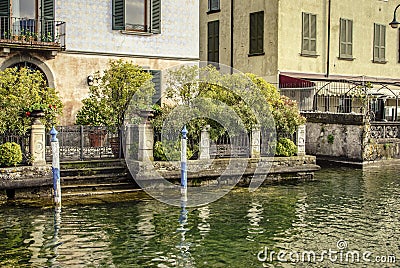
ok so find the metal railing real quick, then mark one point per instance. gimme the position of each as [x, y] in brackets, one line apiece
[22, 140]
[234, 146]
[85, 142]
[25, 31]
[385, 130]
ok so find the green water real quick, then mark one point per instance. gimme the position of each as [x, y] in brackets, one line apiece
[357, 209]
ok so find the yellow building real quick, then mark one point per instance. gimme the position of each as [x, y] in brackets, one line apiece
[322, 42]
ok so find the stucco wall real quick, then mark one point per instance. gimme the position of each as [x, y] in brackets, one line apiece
[89, 28]
[283, 31]
[262, 65]
[91, 43]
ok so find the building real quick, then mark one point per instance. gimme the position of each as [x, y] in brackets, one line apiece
[330, 56]
[309, 39]
[69, 40]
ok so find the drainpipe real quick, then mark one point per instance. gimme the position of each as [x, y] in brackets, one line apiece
[232, 5]
[329, 39]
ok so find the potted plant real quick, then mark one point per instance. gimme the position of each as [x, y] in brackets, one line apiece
[110, 95]
[93, 115]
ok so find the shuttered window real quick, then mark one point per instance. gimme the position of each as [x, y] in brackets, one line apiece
[5, 18]
[346, 39]
[213, 5]
[213, 42]
[48, 27]
[379, 43]
[309, 34]
[137, 15]
[157, 86]
[257, 33]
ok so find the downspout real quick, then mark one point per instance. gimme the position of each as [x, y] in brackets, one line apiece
[329, 39]
[232, 6]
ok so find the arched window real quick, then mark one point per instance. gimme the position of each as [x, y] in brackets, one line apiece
[31, 66]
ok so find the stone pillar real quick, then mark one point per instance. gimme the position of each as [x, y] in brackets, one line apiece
[146, 141]
[255, 142]
[301, 140]
[38, 143]
[205, 143]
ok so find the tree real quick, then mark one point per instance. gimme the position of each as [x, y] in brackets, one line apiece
[227, 102]
[23, 90]
[111, 94]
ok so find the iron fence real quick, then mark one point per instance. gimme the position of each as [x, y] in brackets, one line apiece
[22, 139]
[231, 146]
[41, 32]
[85, 142]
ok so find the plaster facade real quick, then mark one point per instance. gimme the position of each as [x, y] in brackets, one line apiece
[283, 38]
[91, 43]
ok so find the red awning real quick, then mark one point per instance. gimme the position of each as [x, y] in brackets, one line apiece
[292, 82]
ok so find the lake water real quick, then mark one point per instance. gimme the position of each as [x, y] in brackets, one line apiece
[344, 217]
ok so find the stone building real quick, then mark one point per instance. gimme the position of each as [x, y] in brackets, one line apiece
[333, 57]
[69, 40]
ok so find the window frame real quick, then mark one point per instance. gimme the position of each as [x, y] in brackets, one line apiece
[212, 8]
[256, 33]
[345, 39]
[213, 39]
[308, 35]
[378, 48]
[152, 23]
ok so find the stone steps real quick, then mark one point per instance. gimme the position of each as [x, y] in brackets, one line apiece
[85, 178]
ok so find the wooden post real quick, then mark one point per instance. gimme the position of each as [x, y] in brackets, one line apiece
[55, 148]
[184, 164]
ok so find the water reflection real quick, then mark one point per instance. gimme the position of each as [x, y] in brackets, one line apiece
[255, 215]
[358, 206]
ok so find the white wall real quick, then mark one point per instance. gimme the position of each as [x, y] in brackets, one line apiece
[89, 29]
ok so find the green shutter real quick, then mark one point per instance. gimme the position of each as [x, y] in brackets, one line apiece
[47, 10]
[118, 14]
[253, 33]
[257, 32]
[213, 41]
[157, 86]
[260, 32]
[156, 16]
[5, 19]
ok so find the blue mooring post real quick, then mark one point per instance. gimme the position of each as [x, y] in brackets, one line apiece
[55, 149]
[184, 164]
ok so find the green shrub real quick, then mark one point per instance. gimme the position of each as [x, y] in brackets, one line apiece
[331, 139]
[169, 151]
[10, 154]
[285, 147]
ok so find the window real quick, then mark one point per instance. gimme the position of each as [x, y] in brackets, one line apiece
[379, 43]
[213, 41]
[157, 86]
[346, 39]
[345, 104]
[27, 16]
[137, 15]
[257, 33]
[213, 6]
[309, 34]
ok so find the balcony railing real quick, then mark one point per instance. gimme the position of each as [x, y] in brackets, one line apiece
[31, 33]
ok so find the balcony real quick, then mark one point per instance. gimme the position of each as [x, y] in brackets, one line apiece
[46, 36]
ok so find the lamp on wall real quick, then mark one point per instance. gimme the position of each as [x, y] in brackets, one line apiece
[394, 24]
[90, 80]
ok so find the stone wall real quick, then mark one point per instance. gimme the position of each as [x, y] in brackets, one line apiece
[338, 136]
[274, 168]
